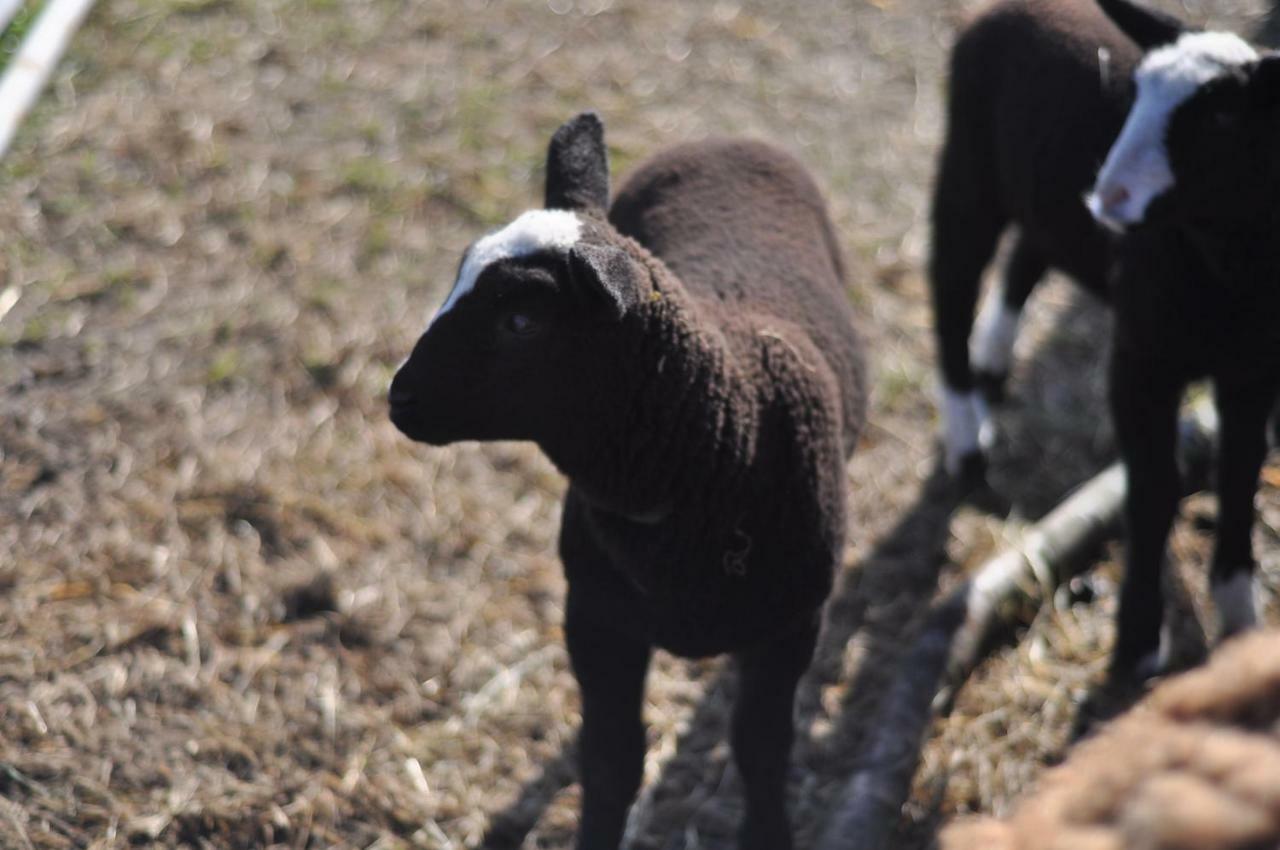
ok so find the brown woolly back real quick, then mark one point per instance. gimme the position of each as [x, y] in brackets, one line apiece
[1039, 89]
[745, 229]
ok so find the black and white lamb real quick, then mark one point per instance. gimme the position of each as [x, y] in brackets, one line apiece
[1038, 91]
[1193, 184]
[690, 364]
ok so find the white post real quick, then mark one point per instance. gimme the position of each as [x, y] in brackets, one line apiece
[8, 9]
[34, 62]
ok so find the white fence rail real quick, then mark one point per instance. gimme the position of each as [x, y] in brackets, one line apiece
[8, 11]
[33, 64]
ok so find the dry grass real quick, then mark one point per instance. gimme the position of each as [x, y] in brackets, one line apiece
[239, 610]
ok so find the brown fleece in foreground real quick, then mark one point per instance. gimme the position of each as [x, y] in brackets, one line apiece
[1196, 766]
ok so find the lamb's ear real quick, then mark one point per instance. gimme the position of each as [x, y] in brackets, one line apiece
[1148, 27]
[578, 165]
[607, 277]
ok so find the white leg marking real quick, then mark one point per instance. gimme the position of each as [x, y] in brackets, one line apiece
[966, 426]
[1165, 653]
[1237, 603]
[991, 347]
[986, 424]
[1155, 663]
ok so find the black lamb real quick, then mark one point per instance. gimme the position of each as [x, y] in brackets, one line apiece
[1038, 91]
[690, 364]
[1193, 184]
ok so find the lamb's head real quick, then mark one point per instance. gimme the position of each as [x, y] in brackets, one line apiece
[1201, 139]
[536, 309]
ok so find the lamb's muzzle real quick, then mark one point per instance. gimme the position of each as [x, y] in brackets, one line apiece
[1137, 169]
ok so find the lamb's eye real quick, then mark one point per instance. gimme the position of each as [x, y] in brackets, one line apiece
[521, 324]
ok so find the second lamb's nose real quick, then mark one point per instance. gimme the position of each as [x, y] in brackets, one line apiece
[1107, 204]
[1113, 196]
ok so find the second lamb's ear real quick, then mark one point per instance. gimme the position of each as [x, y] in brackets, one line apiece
[1146, 26]
[607, 278]
[578, 165]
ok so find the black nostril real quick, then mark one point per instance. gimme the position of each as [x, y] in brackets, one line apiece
[398, 396]
[1115, 196]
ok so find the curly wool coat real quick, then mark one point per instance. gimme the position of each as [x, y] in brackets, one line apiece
[719, 512]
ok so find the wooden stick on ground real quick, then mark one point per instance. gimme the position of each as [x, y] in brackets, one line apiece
[951, 644]
[34, 62]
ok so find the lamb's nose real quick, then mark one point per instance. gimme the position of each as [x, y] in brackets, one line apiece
[397, 394]
[1113, 196]
[1106, 204]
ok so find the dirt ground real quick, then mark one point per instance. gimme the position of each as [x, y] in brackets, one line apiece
[240, 610]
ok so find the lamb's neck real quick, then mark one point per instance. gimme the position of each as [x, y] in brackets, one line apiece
[683, 414]
[1238, 254]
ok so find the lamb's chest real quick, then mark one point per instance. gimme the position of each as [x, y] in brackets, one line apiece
[704, 594]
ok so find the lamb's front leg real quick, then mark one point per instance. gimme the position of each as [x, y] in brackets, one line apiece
[1243, 412]
[1144, 406]
[763, 729]
[610, 667]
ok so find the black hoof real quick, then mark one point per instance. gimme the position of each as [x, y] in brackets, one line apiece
[971, 487]
[1115, 696]
[992, 386]
[972, 475]
[1131, 668]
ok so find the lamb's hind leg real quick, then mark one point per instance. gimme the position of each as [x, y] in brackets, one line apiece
[763, 729]
[991, 347]
[1243, 413]
[610, 667]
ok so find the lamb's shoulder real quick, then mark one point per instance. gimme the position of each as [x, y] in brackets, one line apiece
[795, 385]
[799, 462]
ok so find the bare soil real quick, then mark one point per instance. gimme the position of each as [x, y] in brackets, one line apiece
[240, 610]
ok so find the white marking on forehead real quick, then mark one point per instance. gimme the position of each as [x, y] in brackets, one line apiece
[532, 232]
[1137, 167]
[1193, 60]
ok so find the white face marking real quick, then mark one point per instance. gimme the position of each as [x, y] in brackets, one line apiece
[966, 425]
[1137, 167]
[991, 348]
[532, 232]
[1236, 603]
